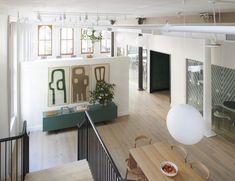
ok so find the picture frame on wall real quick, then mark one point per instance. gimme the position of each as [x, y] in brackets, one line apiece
[99, 72]
[58, 86]
[80, 83]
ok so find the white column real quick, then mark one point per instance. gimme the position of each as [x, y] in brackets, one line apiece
[207, 90]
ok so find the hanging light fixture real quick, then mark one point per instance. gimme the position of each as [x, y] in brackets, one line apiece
[185, 124]
[39, 18]
[60, 17]
[86, 16]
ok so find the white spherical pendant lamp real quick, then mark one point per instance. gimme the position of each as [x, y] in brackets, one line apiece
[185, 124]
[140, 41]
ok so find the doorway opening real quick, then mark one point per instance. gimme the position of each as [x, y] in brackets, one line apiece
[160, 77]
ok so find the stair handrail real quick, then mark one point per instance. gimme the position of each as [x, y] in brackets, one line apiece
[89, 120]
[24, 132]
[24, 154]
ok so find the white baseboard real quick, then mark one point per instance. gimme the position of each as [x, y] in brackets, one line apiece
[35, 128]
[123, 113]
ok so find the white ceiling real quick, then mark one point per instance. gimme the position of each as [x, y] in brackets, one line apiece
[145, 8]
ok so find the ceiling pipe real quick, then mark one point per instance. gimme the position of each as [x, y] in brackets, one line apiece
[202, 29]
[173, 28]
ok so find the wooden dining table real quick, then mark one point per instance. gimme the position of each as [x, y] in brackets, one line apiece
[148, 158]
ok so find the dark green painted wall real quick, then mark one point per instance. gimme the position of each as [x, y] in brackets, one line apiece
[159, 71]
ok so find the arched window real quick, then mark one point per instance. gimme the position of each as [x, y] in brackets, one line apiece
[44, 40]
[66, 41]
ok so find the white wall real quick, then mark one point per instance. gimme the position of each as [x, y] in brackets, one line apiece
[4, 119]
[34, 86]
[179, 49]
[224, 55]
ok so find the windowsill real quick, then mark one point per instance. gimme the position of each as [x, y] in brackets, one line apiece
[57, 59]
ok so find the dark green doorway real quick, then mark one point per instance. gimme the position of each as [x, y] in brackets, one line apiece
[159, 71]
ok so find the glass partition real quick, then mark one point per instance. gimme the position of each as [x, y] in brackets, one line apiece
[223, 101]
[194, 86]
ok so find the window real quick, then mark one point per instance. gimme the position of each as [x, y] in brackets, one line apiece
[44, 40]
[66, 41]
[87, 44]
[105, 43]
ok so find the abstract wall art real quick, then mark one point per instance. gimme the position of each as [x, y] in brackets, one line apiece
[72, 84]
[58, 86]
[99, 72]
[80, 83]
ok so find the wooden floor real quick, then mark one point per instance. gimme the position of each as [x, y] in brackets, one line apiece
[147, 116]
[74, 171]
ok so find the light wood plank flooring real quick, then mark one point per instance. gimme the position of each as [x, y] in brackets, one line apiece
[147, 116]
[74, 171]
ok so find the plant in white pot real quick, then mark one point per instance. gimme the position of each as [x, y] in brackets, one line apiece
[103, 93]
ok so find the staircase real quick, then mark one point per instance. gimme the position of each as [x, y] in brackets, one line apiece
[75, 171]
[14, 156]
[95, 162]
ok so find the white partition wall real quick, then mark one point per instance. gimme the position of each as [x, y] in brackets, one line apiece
[34, 86]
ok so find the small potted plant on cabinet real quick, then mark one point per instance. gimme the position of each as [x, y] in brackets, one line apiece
[103, 93]
[105, 110]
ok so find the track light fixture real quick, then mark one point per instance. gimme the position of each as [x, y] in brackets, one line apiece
[86, 16]
[39, 17]
[81, 18]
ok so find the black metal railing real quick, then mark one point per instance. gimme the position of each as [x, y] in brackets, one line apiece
[14, 156]
[92, 148]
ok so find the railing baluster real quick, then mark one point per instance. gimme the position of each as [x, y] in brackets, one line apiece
[22, 158]
[16, 159]
[5, 160]
[9, 149]
[11, 160]
[0, 161]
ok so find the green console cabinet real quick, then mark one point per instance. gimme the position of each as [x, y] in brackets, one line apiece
[61, 121]
[100, 113]
[97, 112]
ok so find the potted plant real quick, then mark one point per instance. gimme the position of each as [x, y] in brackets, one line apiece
[103, 93]
[91, 34]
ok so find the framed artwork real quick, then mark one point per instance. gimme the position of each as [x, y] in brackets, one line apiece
[99, 72]
[58, 86]
[80, 83]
